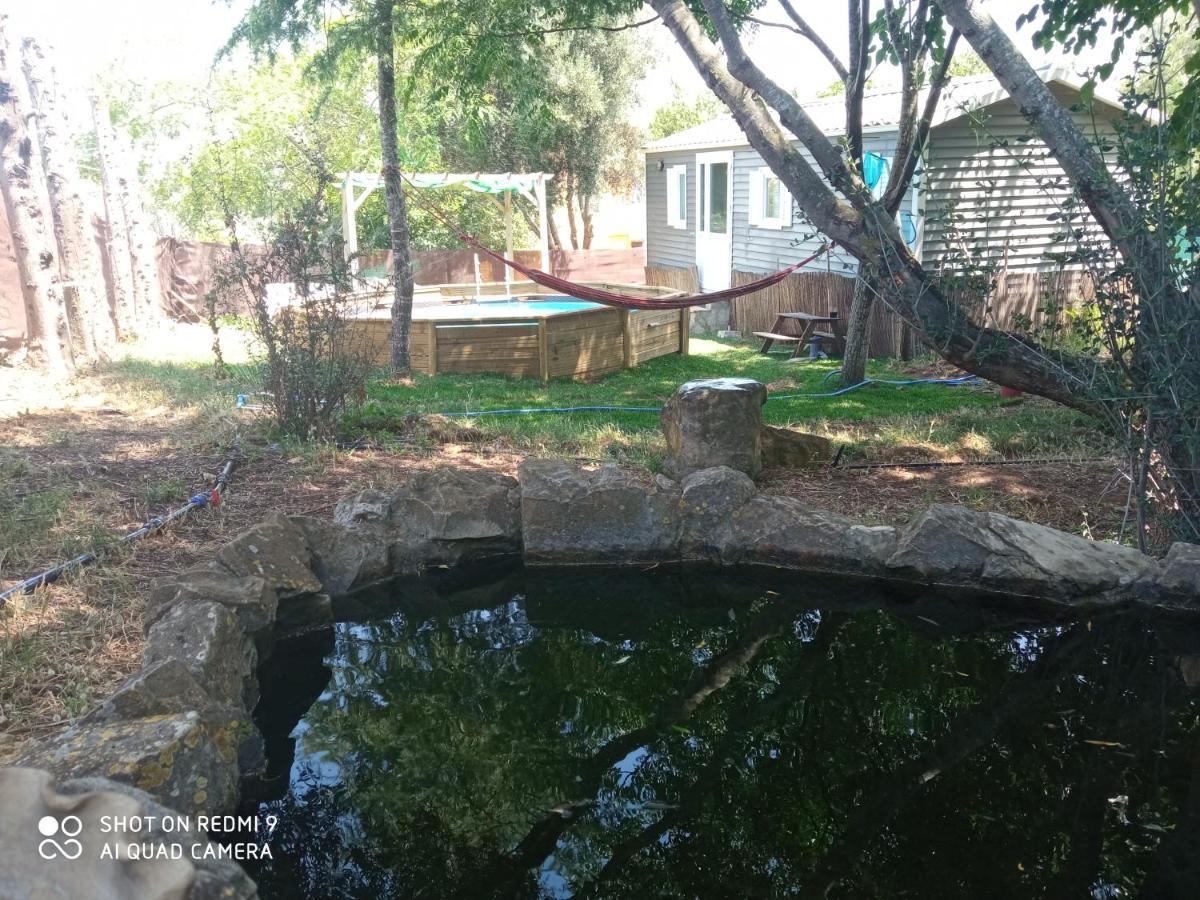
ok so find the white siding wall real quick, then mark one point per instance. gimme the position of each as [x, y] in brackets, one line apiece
[768, 250]
[1004, 188]
[666, 245]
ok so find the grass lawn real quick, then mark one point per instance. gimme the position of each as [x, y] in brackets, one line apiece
[87, 461]
[878, 422]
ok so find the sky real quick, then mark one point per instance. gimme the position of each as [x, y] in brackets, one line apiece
[177, 40]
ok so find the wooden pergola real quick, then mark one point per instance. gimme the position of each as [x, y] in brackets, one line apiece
[358, 186]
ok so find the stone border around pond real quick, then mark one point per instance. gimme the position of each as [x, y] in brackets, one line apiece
[180, 729]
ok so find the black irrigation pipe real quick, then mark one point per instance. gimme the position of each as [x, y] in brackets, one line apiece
[204, 499]
[982, 462]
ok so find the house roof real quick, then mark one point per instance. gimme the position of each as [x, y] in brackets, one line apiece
[880, 111]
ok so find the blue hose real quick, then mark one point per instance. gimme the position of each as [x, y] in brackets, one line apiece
[950, 382]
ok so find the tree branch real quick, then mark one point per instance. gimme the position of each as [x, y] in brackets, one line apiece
[859, 12]
[803, 28]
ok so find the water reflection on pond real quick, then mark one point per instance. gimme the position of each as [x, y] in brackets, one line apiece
[676, 734]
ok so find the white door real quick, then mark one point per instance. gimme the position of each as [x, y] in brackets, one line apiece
[714, 213]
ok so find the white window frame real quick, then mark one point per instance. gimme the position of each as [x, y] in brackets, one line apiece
[677, 196]
[760, 178]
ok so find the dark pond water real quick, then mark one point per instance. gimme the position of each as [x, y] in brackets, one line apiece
[684, 734]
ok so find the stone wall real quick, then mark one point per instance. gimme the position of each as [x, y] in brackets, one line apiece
[180, 729]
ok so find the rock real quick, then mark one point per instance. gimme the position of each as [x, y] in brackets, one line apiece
[1189, 670]
[303, 613]
[709, 497]
[572, 515]
[207, 639]
[187, 761]
[164, 688]
[444, 516]
[714, 422]
[345, 556]
[365, 506]
[782, 531]
[790, 449]
[27, 796]
[277, 552]
[953, 545]
[1179, 577]
[249, 597]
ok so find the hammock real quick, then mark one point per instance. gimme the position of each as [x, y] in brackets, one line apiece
[610, 298]
[628, 301]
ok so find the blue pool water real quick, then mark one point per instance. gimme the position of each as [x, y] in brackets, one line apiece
[530, 306]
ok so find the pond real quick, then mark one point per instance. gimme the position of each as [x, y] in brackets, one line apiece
[679, 733]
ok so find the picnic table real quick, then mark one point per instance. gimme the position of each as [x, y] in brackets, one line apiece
[810, 334]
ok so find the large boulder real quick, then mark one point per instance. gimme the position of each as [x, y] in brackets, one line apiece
[782, 531]
[276, 551]
[29, 796]
[249, 597]
[164, 688]
[188, 761]
[789, 449]
[709, 497]
[345, 556]
[570, 515]
[1178, 581]
[714, 422]
[207, 639]
[446, 516]
[953, 545]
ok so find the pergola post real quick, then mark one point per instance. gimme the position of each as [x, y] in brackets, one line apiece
[349, 224]
[508, 239]
[539, 189]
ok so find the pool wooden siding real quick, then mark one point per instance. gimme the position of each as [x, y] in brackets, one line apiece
[583, 343]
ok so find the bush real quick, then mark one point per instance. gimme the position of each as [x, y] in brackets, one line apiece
[299, 288]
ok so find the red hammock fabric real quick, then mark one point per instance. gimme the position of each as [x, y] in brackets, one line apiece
[609, 298]
[627, 301]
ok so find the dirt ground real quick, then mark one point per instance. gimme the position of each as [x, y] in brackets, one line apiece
[111, 463]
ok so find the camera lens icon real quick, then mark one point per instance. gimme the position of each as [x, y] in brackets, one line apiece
[69, 827]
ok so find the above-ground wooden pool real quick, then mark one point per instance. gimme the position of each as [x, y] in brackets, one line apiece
[529, 335]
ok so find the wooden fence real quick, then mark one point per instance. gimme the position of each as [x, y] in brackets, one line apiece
[1021, 300]
[679, 278]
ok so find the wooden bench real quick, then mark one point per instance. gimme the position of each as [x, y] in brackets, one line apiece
[770, 338]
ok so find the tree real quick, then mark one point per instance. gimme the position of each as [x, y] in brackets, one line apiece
[86, 299]
[402, 276]
[566, 113]
[369, 28]
[678, 114]
[116, 224]
[22, 182]
[911, 38]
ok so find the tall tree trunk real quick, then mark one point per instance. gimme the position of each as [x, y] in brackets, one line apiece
[21, 183]
[87, 299]
[119, 262]
[402, 276]
[139, 235]
[585, 214]
[571, 211]
[858, 328]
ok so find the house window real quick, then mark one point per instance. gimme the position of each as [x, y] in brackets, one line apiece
[770, 202]
[677, 196]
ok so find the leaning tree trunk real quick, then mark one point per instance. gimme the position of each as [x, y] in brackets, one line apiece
[86, 297]
[119, 261]
[21, 178]
[402, 276]
[858, 330]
